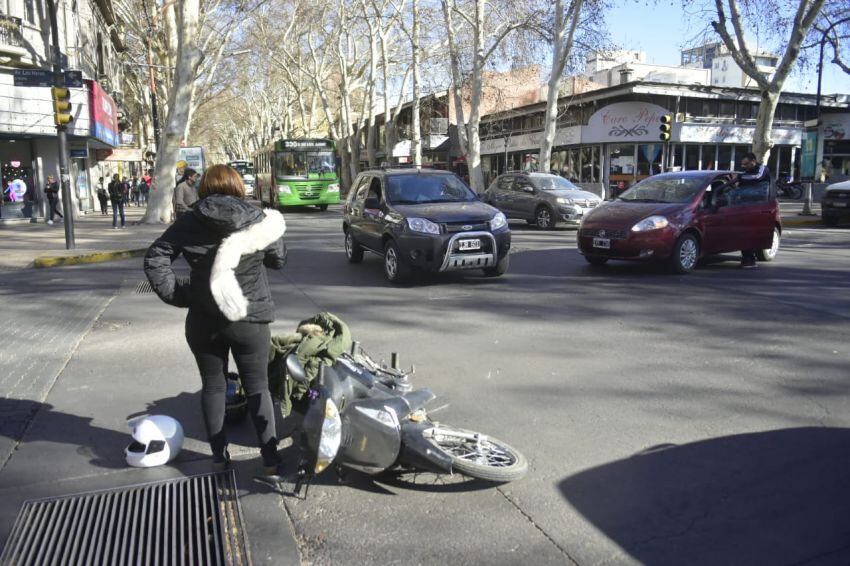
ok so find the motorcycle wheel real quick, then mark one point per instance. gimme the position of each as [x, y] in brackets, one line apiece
[483, 458]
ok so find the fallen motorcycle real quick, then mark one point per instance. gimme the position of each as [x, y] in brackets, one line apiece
[365, 416]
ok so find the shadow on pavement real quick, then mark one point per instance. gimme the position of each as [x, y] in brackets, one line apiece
[774, 497]
[102, 446]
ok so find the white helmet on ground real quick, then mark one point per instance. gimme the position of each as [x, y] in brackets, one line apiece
[157, 439]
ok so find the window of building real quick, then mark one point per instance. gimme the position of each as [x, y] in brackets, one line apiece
[691, 157]
[786, 112]
[678, 157]
[727, 109]
[649, 158]
[709, 157]
[590, 165]
[29, 11]
[724, 158]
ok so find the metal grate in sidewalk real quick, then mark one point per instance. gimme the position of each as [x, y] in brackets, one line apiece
[194, 520]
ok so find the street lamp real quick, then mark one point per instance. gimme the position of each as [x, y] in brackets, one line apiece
[818, 164]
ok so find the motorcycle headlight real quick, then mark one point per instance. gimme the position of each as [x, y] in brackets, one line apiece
[498, 221]
[330, 438]
[285, 189]
[333, 188]
[423, 225]
[562, 200]
[651, 223]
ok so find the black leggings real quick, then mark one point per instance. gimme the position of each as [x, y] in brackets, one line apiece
[211, 340]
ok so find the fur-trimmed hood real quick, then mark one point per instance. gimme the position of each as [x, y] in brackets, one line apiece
[256, 236]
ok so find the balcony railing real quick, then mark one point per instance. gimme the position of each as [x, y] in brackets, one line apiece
[11, 32]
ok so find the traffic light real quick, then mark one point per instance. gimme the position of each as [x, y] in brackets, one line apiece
[61, 106]
[665, 127]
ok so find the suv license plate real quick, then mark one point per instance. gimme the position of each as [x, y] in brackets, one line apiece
[604, 243]
[469, 245]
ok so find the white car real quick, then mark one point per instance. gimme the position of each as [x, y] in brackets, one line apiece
[835, 203]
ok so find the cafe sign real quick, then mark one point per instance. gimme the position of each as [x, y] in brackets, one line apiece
[624, 122]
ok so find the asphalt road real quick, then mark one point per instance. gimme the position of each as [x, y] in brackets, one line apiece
[697, 419]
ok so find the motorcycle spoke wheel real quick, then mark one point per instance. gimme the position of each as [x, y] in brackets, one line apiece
[477, 455]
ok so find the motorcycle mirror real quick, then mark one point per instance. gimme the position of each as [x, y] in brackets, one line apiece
[295, 370]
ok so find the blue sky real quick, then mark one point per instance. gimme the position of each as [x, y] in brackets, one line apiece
[661, 29]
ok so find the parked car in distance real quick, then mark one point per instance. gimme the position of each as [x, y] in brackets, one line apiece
[681, 217]
[540, 198]
[835, 203]
[423, 219]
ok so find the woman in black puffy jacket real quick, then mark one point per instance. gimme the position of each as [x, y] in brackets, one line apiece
[228, 244]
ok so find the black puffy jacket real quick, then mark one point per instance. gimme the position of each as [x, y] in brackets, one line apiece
[227, 242]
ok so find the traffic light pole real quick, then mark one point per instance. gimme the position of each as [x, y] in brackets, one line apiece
[61, 134]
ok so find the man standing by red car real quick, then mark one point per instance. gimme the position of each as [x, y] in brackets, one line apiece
[755, 175]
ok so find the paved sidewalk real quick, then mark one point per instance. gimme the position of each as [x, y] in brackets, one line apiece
[84, 351]
[21, 244]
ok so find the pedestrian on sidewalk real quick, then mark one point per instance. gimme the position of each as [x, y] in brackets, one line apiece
[125, 191]
[143, 192]
[51, 191]
[228, 243]
[102, 196]
[135, 192]
[116, 197]
[756, 182]
[185, 193]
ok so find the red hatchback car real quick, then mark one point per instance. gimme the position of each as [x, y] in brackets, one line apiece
[681, 217]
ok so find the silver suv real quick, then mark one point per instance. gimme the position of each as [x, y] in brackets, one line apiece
[540, 198]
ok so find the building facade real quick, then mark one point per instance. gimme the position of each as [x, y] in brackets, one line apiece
[608, 139]
[90, 43]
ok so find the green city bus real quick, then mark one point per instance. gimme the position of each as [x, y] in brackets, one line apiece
[297, 173]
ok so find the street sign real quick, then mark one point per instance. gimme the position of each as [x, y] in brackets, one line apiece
[74, 79]
[33, 77]
[44, 78]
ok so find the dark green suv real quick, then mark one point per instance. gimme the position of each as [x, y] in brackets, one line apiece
[423, 219]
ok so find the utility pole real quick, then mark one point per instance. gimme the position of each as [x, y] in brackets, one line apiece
[61, 135]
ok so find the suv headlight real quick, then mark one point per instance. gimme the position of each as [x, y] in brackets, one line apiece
[651, 223]
[562, 200]
[498, 221]
[333, 188]
[423, 225]
[285, 189]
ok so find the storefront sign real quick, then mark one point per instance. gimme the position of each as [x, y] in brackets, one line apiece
[624, 122]
[78, 153]
[121, 154]
[809, 151]
[193, 156]
[104, 115]
[836, 127]
[563, 136]
[728, 133]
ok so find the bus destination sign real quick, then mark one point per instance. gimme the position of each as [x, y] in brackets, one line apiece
[304, 144]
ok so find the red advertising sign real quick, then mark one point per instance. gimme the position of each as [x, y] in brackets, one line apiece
[104, 114]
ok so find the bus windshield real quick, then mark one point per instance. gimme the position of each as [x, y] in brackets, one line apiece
[243, 167]
[305, 164]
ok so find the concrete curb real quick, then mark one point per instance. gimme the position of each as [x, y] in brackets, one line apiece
[92, 257]
[792, 222]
